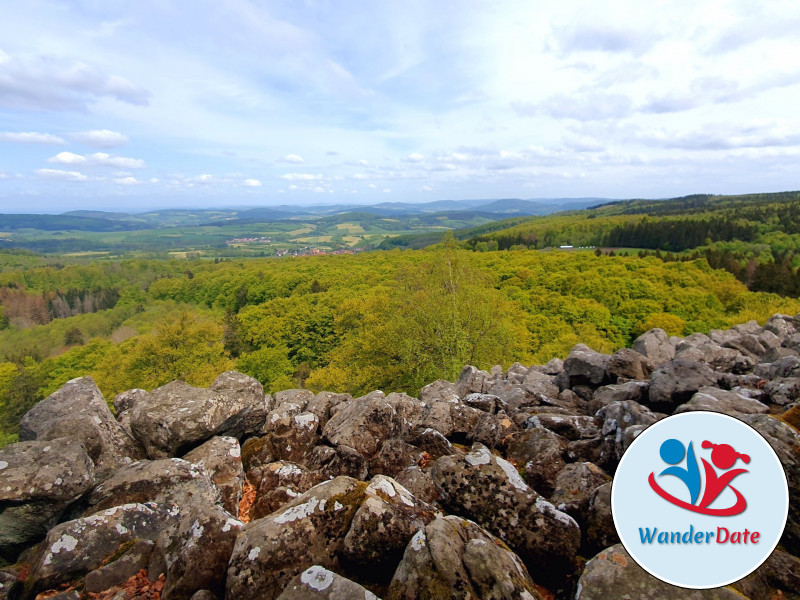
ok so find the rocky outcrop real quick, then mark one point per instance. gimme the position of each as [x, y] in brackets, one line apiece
[496, 485]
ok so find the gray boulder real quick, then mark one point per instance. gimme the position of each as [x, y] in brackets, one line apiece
[79, 411]
[614, 574]
[722, 401]
[38, 480]
[538, 453]
[452, 558]
[627, 363]
[584, 366]
[221, 457]
[237, 389]
[489, 490]
[318, 583]
[655, 345]
[676, 381]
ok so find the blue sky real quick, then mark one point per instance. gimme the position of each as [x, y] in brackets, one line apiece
[124, 105]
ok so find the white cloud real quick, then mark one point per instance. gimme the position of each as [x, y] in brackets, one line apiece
[372, 186]
[252, 183]
[415, 157]
[58, 175]
[51, 83]
[293, 158]
[30, 137]
[387, 191]
[100, 138]
[98, 159]
[128, 181]
[301, 177]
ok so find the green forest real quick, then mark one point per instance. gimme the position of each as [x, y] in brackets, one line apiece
[395, 319]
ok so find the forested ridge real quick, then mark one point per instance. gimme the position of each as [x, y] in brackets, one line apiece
[392, 320]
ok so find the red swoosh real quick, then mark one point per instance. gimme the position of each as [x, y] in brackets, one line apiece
[737, 508]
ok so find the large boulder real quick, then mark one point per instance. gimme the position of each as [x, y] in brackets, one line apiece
[538, 454]
[79, 411]
[194, 551]
[168, 481]
[489, 490]
[75, 548]
[629, 364]
[722, 401]
[453, 558]
[290, 434]
[454, 420]
[38, 480]
[278, 483]
[655, 345]
[574, 487]
[175, 418]
[238, 389]
[221, 456]
[318, 583]
[584, 366]
[600, 531]
[614, 574]
[366, 422]
[676, 381]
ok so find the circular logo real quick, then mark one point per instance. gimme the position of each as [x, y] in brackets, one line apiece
[700, 500]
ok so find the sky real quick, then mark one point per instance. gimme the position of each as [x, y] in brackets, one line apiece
[115, 105]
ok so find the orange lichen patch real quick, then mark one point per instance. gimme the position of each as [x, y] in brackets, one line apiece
[23, 572]
[760, 385]
[138, 587]
[247, 501]
[425, 460]
[544, 592]
[620, 560]
[792, 417]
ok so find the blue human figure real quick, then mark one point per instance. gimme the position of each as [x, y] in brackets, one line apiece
[672, 452]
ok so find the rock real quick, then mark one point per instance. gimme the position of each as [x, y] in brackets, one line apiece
[676, 381]
[617, 417]
[454, 559]
[124, 401]
[492, 430]
[79, 411]
[629, 364]
[309, 531]
[439, 391]
[485, 402]
[364, 423]
[574, 487]
[343, 460]
[472, 380]
[782, 326]
[539, 452]
[177, 417]
[194, 552]
[394, 456]
[277, 484]
[221, 457]
[786, 443]
[237, 389]
[571, 427]
[38, 480]
[788, 366]
[203, 595]
[620, 392]
[318, 583]
[600, 530]
[168, 481]
[778, 577]
[655, 345]
[614, 574]
[431, 441]
[290, 434]
[118, 571]
[722, 401]
[453, 420]
[705, 351]
[10, 584]
[419, 483]
[489, 490]
[584, 366]
[299, 397]
[322, 403]
[382, 527]
[256, 452]
[75, 548]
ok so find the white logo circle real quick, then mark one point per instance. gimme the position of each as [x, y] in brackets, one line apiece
[700, 500]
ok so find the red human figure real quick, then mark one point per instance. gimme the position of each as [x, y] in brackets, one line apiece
[724, 457]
